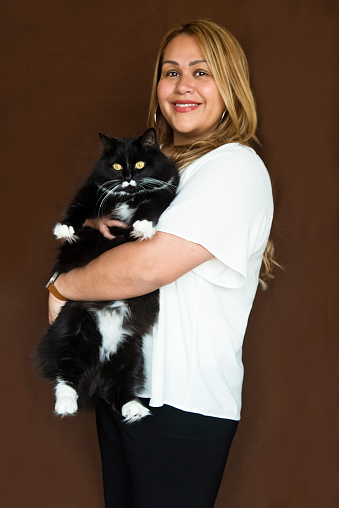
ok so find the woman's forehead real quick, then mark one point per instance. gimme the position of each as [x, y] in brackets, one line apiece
[183, 49]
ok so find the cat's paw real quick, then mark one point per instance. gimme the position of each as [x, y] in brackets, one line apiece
[64, 232]
[66, 399]
[66, 406]
[143, 229]
[133, 411]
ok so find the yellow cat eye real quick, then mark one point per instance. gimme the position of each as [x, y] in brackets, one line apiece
[117, 166]
[139, 165]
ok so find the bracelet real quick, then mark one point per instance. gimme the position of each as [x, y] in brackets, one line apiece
[52, 289]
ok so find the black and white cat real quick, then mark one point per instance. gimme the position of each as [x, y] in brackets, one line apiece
[94, 350]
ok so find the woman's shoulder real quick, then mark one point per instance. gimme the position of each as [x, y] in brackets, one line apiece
[231, 151]
[228, 159]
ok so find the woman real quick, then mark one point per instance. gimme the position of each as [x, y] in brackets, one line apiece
[205, 257]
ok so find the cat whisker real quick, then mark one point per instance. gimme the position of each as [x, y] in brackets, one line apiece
[103, 187]
[106, 193]
[153, 181]
[106, 188]
[102, 201]
[157, 185]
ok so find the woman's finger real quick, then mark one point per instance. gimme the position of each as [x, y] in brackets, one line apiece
[104, 230]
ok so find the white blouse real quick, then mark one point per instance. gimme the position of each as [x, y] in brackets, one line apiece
[225, 204]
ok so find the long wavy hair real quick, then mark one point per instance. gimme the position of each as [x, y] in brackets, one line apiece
[229, 67]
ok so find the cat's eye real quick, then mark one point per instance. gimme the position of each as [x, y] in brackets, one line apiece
[140, 165]
[117, 166]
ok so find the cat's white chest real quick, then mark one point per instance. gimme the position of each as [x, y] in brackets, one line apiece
[110, 324]
[124, 212]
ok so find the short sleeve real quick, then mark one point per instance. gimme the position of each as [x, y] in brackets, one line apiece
[225, 204]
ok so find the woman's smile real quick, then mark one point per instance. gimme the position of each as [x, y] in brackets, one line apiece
[184, 106]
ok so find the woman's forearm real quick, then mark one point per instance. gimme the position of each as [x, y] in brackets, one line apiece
[111, 276]
[132, 269]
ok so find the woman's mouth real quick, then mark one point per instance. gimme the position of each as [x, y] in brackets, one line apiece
[185, 107]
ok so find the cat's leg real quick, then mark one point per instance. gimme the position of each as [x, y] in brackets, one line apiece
[134, 410]
[123, 378]
[81, 208]
[147, 215]
[145, 220]
[69, 355]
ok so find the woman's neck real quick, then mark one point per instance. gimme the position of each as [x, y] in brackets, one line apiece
[167, 149]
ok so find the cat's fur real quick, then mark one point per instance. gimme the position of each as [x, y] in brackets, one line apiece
[95, 349]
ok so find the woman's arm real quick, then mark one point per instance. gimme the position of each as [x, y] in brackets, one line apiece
[133, 269]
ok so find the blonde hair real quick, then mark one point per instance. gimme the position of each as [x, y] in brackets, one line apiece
[229, 67]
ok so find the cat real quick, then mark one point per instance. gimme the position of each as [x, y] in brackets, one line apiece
[94, 350]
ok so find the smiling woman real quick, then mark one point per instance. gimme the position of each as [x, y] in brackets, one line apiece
[205, 257]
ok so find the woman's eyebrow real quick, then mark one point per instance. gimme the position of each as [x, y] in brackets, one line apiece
[195, 62]
[173, 62]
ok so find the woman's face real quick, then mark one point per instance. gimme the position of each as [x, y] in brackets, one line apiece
[187, 93]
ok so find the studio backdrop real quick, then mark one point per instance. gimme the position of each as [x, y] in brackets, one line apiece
[72, 69]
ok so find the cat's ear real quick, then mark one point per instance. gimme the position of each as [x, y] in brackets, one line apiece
[109, 143]
[149, 139]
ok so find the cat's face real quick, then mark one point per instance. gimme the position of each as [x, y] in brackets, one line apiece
[131, 166]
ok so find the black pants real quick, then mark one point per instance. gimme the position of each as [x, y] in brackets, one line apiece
[170, 459]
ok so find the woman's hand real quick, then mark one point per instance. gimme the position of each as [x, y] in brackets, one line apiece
[103, 224]
[54, 307]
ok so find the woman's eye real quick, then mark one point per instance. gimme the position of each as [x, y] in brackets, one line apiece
[117, 166]
[172, 74]
[140, 165]
[201, 73]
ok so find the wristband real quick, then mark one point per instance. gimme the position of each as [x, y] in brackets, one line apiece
[52, 289]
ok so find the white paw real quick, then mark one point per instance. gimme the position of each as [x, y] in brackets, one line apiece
[134, 411]
[66, 399]
[66, 406]
[143, 229]
[64, 232]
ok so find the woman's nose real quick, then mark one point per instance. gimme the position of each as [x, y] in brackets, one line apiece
[185, 84]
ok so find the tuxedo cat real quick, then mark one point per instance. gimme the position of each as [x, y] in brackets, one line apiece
[94, 350]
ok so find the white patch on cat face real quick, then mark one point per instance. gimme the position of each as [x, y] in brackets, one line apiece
[110, 324]
[124, 212]
[131, 183]
[66, 399]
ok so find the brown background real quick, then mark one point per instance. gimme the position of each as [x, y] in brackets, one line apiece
[71, 69]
